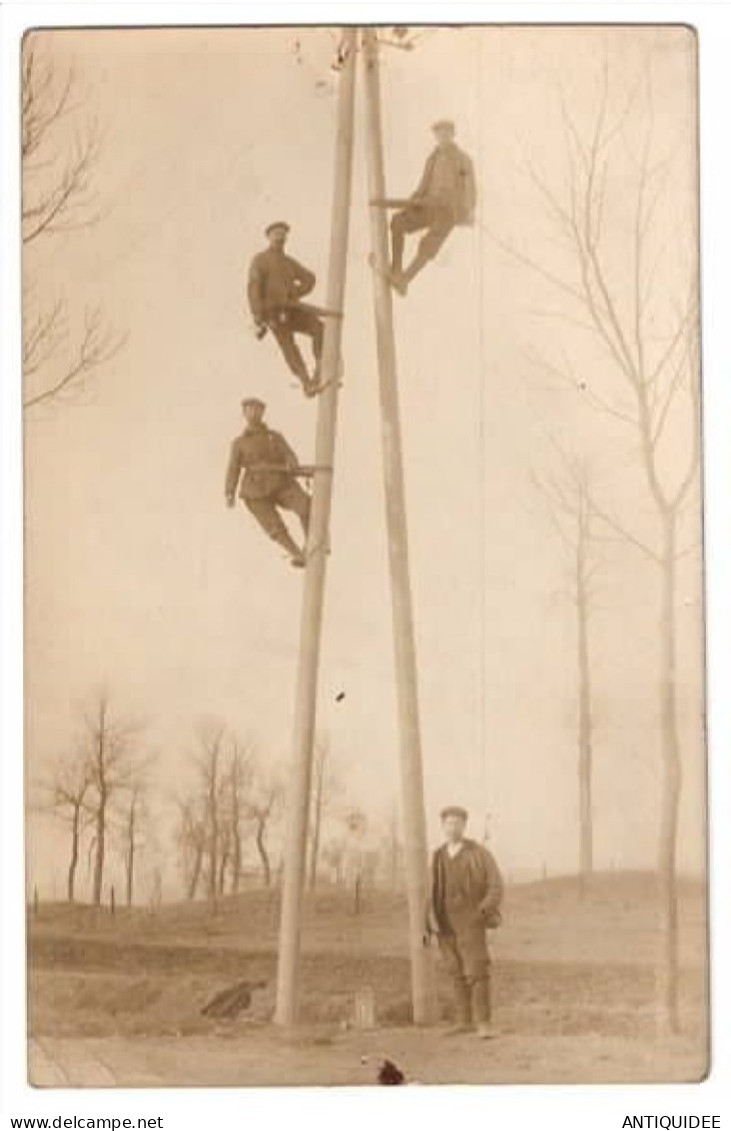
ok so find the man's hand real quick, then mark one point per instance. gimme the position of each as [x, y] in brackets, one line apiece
[260, 328]
[490, 917]
[308, 469]
[230, 500]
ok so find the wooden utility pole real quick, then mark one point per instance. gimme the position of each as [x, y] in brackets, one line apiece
[412, 784]
[298, 802]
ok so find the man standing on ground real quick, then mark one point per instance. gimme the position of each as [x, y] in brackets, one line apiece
[466, 891]
[277, 283]
[444, 198]
[269, 482]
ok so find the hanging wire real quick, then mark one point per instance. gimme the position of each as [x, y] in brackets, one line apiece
[482, 523]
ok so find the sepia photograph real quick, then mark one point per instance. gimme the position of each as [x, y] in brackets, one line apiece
[364, 690]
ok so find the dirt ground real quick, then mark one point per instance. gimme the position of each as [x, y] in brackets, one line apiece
[117, 1001]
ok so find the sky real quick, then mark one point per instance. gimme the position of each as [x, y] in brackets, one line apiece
[139, 578]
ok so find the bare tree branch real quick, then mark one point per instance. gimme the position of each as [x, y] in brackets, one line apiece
[60, 155]
[656, 385]
[42, 108]
[569, 379]
[624, 534]
[562, 316]
[97, 347]
[693, 465]
[526, 261]
[42, 336]
[54, 209]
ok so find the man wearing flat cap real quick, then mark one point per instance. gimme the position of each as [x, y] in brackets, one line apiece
[276, 285]
[444, 198]
[465, 896]
[269, 482]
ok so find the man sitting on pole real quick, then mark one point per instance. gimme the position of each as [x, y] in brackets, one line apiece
[277, 283]
[466, 891]
[269, 482]
[444, 198]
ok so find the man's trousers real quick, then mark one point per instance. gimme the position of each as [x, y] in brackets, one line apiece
[292, 497]
[466, 958]
[284, 324]
[438, 222]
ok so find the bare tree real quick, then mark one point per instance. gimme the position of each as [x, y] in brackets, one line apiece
[156, 893]
[224, 855]
[569, 508]
[262, 804]
[136, 816]
[190, 836]
[210, 769]
[109, 748]
[625, 294]
[326, 786]
[355, 853]
[239, 780]
[392, 847]
[333, 853]
[59, 154]
[69, 789]
[209, 831]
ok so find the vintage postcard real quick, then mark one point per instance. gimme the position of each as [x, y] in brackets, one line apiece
[363, 556]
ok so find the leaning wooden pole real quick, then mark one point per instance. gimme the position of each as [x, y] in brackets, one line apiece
[412, 784]
[317, 550]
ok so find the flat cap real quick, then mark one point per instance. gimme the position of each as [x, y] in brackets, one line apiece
[276, 224]
[444, 124]
[454, 811]
[252, 400]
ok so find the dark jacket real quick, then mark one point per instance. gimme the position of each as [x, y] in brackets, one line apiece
[484, 887]
[449, 179]
[276, 281]
[252, 452]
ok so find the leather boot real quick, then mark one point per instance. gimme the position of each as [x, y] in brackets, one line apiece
[397, 250]
[462, 1008]
[417, 264]
[296, 556]
[481, 1007]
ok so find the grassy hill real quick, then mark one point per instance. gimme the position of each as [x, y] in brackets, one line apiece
[562, 965]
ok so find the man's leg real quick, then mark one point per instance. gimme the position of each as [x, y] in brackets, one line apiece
[463, 1004]
[398, 239]
[268, 517]
[305, 322]
[439, 224]
[295, 498]
[476, 960]
[281, 328]
[411, 219]
[453, 965]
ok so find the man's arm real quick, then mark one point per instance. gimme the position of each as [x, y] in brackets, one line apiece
[431, 926]
[422, 189]
[233, 471]
[469, 187]
[284, 453]
[255, 289]
[495, 887]
[304, 280]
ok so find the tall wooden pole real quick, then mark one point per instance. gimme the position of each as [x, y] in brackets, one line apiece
[412, 784]
[317, 549]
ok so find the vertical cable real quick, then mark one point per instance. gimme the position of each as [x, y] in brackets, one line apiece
[482, 519]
